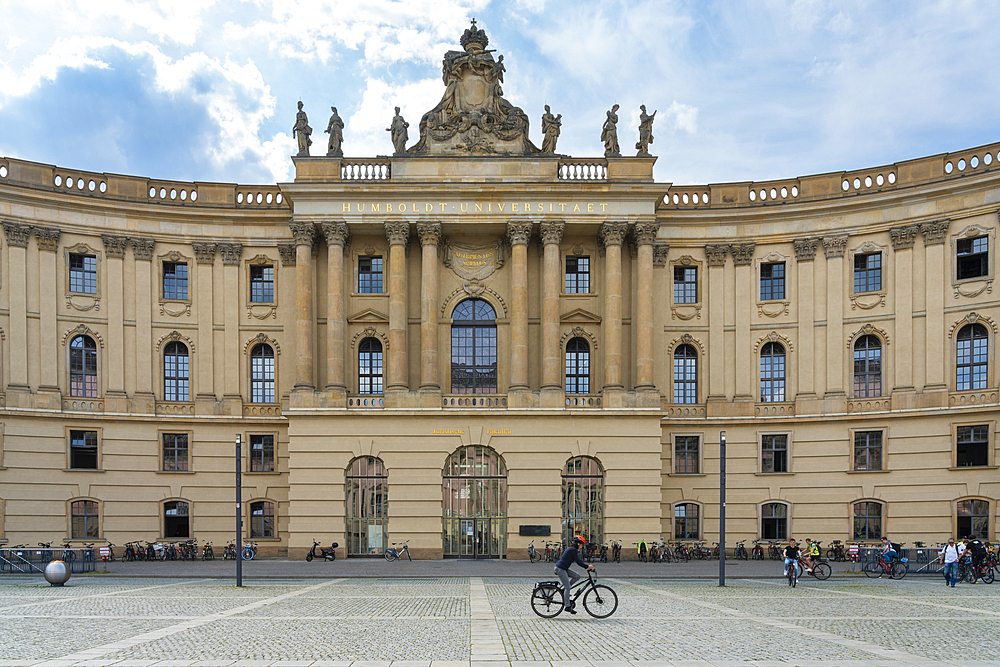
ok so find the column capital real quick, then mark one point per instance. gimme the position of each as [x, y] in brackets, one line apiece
[287, 252]
[716, 253]
[645, 233]
[903, 238]
[114, 246]
[613, 232]
[303, 232]
[231, 252]
[805, 249]
[519, 232]
[551, 232]
[143, 248]
[934, 232]
[47, 238]
[742, 253]
[397, 232]
[336, 233]
[429, 233]
[204, 253]
[660, 251]
[834, 246]
[17, 235]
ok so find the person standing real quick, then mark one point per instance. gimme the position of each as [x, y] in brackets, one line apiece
[567, 576]
[949, 557]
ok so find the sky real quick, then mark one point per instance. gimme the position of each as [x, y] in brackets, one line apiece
[203, 90]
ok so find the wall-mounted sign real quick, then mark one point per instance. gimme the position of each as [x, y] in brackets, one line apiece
[473, 262]
[534, 531]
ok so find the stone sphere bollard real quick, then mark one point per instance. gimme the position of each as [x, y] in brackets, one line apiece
[57, 573]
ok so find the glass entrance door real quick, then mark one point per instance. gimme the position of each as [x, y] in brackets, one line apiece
[475, 504]
[480, 538]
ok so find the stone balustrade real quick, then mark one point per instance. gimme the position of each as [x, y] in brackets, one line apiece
[583, 169]
[259, 196]
[373, 169]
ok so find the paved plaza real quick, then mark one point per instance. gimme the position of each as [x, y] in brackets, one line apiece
[487, 620]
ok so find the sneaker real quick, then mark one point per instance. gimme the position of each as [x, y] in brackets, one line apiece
[953, 585]
[570, 610]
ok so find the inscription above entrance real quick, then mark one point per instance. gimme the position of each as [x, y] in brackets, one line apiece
[473, 262]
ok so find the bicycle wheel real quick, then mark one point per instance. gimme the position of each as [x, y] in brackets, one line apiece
[533, 556]
[898, 570]
[547, 601]
[248, 553]
[391, 555]
[211, 554]
[600, 601]
[986, 574]
[822, 571]
[791, 575]
[871, 570]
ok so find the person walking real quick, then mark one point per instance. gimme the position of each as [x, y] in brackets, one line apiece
[949, 557]
[567, 576]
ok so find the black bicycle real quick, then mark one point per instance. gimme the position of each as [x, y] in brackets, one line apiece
[599, 600]
[534, 555]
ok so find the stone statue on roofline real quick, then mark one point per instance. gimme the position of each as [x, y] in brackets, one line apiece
[399, 135]
[645, 132]
[335, 147]
[301, 131]
[609, 134]
[473, 118]
[550, 131]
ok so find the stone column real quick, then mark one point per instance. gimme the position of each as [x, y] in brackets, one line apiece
[552, 386]
[304, 233]
[337, 238]
[645, 235]
[934, 234]
[398, 234]
[903, 239]
[17, 248]
[142, 252]
[519, 233]
[48, 244]
[114, 251]
[805, 254]
[716, 255]
[746, 369]
[430, 236]
[235, 383]
[612, 235]
[834, 247]
[204, 255]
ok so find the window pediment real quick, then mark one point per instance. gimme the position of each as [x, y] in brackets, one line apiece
[368, 316]
[580, 316]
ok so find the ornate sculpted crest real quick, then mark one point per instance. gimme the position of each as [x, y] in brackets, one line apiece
[473, 118]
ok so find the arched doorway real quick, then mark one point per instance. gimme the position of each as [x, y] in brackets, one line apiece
[367, 516]
[475, 504]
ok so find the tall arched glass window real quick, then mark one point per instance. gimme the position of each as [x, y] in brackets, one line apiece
[867, 521]
[367, 507]
[973, 519]
[370, 366]
[475, 503]
[772, 373]
[85, 519]
[583, 500]
[474, 348]
[176, 372]
[867, 367]
[83, 367]
[262, 520]
[262, 374]
[176, 520]
[972, 362]
[686, 520]
[577, 366]
[685, 374]
[774, 521]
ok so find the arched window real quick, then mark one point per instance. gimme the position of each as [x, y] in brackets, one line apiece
[370, 366]
[774, 521]
[85, 519]
[83, 367]
[577, 366]
[474, 348]
[262, 519]
[868, 521]
[262, 374]
[583, 500]
[685, 374]
[176, 372]
[867, 367]
[176, 521]
[973, 518]
[772, 373]
[972, 360]
[475, 503]
[367, 507]
[686, 519]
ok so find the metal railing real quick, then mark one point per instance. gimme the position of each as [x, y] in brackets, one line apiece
[22, 560]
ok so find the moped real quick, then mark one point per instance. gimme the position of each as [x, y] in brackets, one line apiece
[327, 554]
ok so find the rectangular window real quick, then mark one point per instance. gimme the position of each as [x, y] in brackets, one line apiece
[774, 453]
[83, 273]
[774, 521]
[973, 257]
[369, 275]
[772, 281]
[175, 280]
[686, 454]
[868, 272]
[261, 453]
[868, 450]
[262, 284]
[175, 452]
[685, 284]
[83, 450]
[578, 275]
[972, 446]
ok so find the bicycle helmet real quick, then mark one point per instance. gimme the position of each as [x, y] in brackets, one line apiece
[578, 540]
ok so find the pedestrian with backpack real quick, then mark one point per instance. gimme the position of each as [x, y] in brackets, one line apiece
[950, 556]
[978, 551]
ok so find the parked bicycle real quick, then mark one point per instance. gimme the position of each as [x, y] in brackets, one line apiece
[230, 552]
[207, 553]
[599, 600]
[534, 555]
[740, 553]
[836, 552]
[757, 553]
[395, 554]
[616, 551]
[249, 550]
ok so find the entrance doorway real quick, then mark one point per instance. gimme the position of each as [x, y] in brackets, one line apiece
[475, 504]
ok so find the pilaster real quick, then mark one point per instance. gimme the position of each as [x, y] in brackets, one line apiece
[934, 237]
[519, 234]
[553, 392]
[17, 246]
[142, 253]
[746, 371]
[114, 251]
[805, 254]
[48, 381]
[716, 279]
[834, 247]
[205, 398]
[430, 386]
[234, 382]
[903, 239]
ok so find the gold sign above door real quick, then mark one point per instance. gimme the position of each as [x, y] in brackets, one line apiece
[473, 262]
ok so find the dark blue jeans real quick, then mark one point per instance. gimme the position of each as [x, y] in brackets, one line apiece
[951, 573]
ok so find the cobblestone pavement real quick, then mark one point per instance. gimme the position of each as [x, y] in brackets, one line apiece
[480, 621]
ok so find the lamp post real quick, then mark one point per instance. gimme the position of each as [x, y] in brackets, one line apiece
[239, 514]
[722, 508]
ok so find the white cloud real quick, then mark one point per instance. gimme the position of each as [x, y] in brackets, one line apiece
[366, 133]
[683, 117]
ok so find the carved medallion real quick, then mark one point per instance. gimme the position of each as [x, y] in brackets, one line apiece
[473, 262]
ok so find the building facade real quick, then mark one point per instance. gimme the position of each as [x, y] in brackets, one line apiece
[467, 351]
